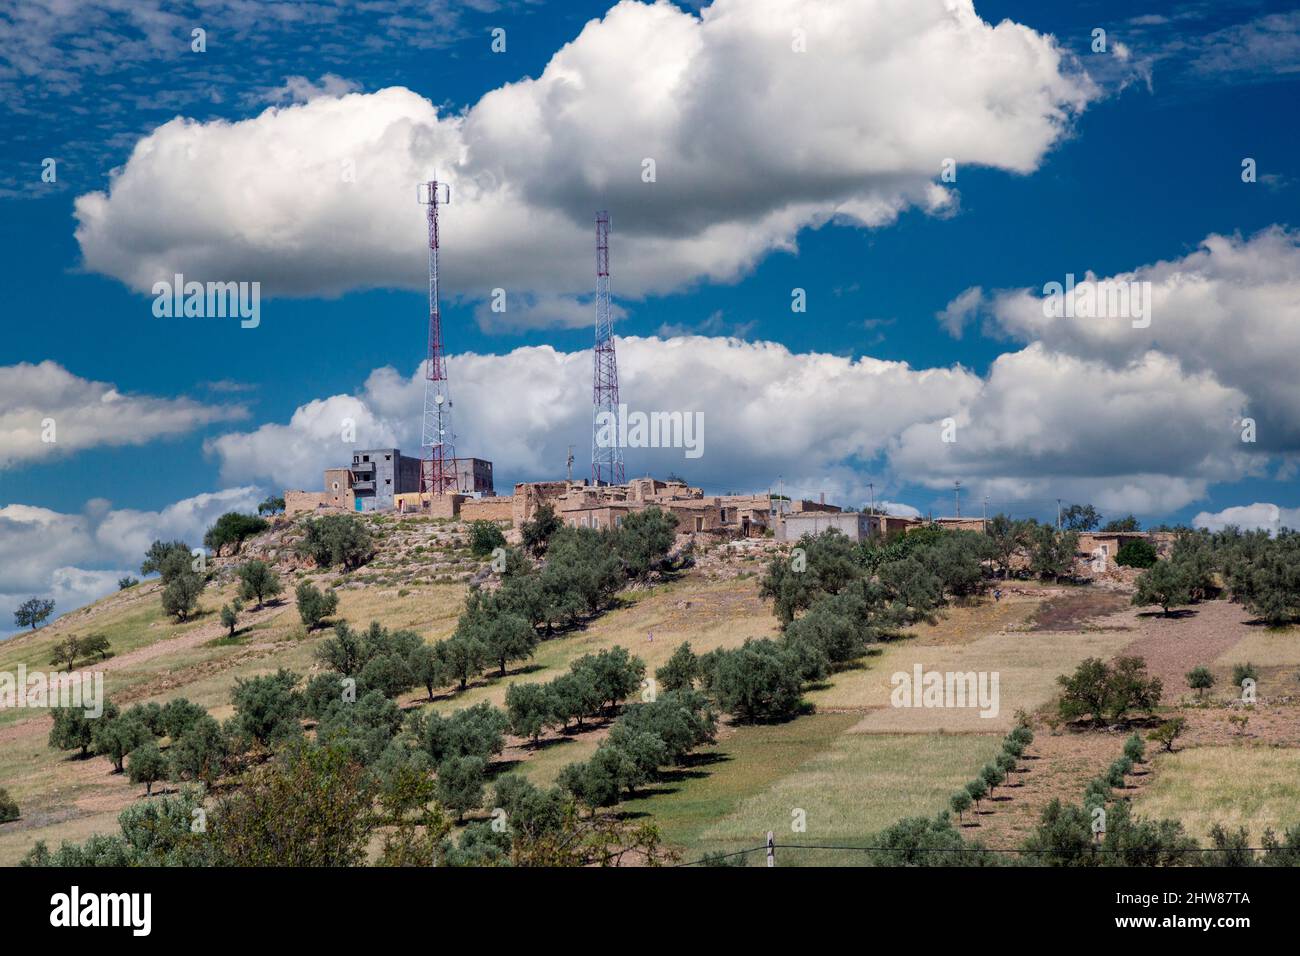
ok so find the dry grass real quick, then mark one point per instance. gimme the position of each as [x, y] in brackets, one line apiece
[158, 659]
[60, 796]
[963, 623]
[1027, 664]
[1265, 648]
[1254, 787]
[430, 610]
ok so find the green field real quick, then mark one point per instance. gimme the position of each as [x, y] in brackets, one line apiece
[848, 785]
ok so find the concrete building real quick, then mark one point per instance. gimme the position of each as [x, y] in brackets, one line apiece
[338, 489]
[474, 477]
[381, 479]
[856, 525]
[377, 475]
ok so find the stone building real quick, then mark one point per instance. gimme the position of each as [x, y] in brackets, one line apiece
[583, 505]
[1106, 544]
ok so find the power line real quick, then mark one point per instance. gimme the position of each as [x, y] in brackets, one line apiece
[1095, 850]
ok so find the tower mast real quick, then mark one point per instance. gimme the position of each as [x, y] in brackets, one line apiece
[438, 468]
[606, 461]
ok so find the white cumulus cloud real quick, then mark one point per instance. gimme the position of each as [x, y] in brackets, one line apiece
[1230, 309]
[807, 419]
[743, 111]
[1146, 436]
[1259, 515]
[45, 400]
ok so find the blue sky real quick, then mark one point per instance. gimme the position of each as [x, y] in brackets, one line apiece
[1111, 162]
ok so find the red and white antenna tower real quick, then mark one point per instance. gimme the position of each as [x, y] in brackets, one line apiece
[438, 441]
[606, 457]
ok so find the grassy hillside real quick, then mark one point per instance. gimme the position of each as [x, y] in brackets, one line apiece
[852, 765]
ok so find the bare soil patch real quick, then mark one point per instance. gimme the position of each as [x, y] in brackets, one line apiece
[1172, 646]
[1056, 766]
[1071, 610]
[1270, 724]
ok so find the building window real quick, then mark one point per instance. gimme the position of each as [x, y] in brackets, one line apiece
[336, 486]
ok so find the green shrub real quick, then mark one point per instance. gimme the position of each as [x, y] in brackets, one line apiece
[233, 528]
[314, 606]
[338, 539]
[8, 808]
[257, 579]
[1163, 583]
[1200, 679]
[1134, 748]
[1244, 672]
[180, 598]
[1138, 553]
[485, 537]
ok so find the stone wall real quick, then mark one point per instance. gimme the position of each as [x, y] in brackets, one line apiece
[338, 489]
[529, 496]
[302, 502]
[501, 508]
[445, 506]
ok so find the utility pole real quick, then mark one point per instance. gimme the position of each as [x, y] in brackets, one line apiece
[872, 486]
[984, 526]
[1058, 514]
[570, 463]
[957, 490]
